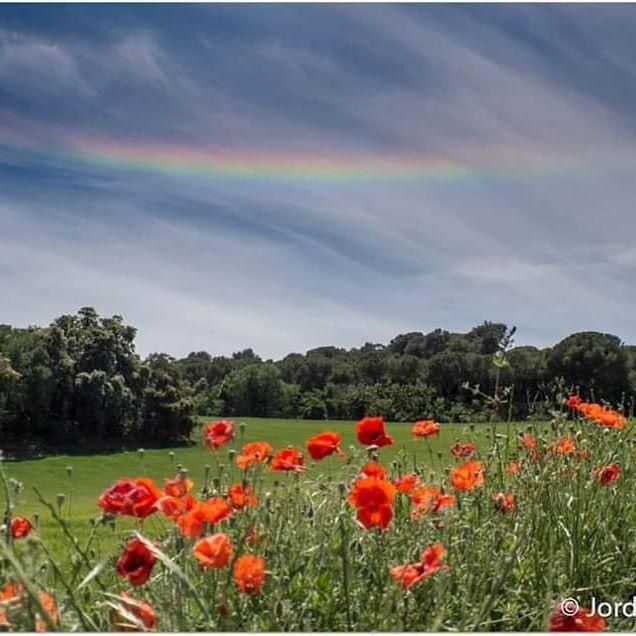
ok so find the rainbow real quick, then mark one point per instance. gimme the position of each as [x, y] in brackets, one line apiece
[363, 167]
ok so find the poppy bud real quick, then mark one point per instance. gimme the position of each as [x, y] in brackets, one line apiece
[242, 426]
[231, 454]
[141, 452]
[60, 498]
[69, 471]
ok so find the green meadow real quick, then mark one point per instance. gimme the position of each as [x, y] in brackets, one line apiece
[72, 483]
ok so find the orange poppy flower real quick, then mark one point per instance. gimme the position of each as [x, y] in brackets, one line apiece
[463, 450]
[513, 468]
[177, 487]
[373, 469]
[213, 552]
[249, 573]
[135, 562]
[20, 527]
[240, 496]
[373, 499]
[288, 459]
[370, 432]
[144, 615]
[528, 441]
[13, 595]
[426, 499]
[504, 501]
[131, 497]
[324, 444]
[253, 453]
[425, 428]
[467, 476]
[174, 507]
[411, 573]
[580, 620]
[602, 415]
[406, 483]
[606, 474]
[563, 446]
[573, 401]
[215, 434]
[212, 511]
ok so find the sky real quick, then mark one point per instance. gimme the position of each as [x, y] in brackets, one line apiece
[283, 177]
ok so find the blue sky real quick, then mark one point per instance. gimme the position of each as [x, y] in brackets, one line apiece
[200, 262]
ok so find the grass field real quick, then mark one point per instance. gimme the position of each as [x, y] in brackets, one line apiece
[91, 474]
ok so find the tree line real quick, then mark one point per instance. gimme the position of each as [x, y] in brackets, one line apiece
[80, 381]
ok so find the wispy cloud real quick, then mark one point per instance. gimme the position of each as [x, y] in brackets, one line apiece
[538, 225]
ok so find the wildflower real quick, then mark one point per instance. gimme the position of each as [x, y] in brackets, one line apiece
[467, 476]
[253, 453]
[241, 496]
[429, 499]
[504, 501]
[602, 415]
[20, 527]
[463, 450]
[13, 595]
[563, 446]
[131, 497]
[177, 487]
[213, 552]
[513, 468]
[425, 428]
[249, 573]
[606, 474]
[139, 611]
[215, 434]
[174, 507]
[373, 469]
[409, 574]
[373, 499]
[581, 621]
[370, 431]
[528, 441]
[288, 459]
[212, 511]
[406, 483]
[573, 401]
[135, 562]
[324, 444]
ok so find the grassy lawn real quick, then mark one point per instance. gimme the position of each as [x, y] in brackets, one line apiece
[91, 474]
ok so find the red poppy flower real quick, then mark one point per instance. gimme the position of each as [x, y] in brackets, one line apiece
[467, 476]
[606, 474]
[528, 441]
[249, 573]
[241, 496]
[288, 459]
[213, 552]
[602, 415]
[373, 499]
[513, 468]
[212, 511]
[215, 434]
[145, 617]
[174, 507]
[563, 446]
[13, 594]
[425, 428]
[177, 487]
[463, 450]
[373, 469]
[573, 401]
[324, 444]
[135, 562]
[20, 527]
[504, 501]
[406, 483]
[370, 432]
[409, 574]
[426, 499]
[253, 453]
[581, 620]
[131, 497]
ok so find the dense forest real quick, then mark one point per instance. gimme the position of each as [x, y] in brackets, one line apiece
[80, 381]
